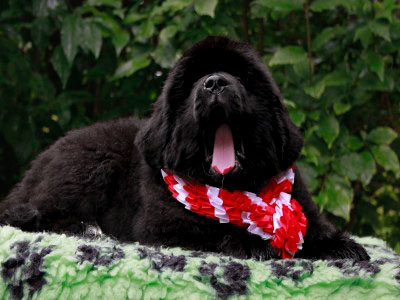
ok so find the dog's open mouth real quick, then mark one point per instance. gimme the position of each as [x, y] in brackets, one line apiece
[222, 142]
[223, 156]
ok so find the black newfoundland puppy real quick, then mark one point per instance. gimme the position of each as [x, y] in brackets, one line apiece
[219, 124]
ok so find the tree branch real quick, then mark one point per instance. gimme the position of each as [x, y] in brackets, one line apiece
[306, 6]
[245, 20]
[96, 100]
[260, 37]
[398, 11]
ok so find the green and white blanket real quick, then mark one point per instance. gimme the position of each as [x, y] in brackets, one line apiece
[52, 266]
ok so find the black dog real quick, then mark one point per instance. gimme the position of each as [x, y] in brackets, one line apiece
[109, 173]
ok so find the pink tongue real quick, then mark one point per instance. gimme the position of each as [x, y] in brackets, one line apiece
[224, 153]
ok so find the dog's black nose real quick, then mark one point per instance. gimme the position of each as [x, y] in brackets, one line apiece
[215, 84]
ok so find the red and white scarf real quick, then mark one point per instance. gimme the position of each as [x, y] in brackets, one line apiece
[273, 214]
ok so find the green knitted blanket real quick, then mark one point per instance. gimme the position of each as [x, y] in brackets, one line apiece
[52, 266]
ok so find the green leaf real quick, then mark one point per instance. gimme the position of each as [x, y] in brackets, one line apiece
[70, 36]
[205, 7]
[337, 78]
[326, 35]
[363, 34]
[354, 143]
[91, 38]
[289, 103]
[316, 90]
[61, 65]
[133, 17]
[120, 39]
[302, 69]
[382, 135]
[357, 166]
[321, 199]
[298, 117]
[312, 154]
[146, 30]
[107, 21]
[282, 5]
[40, 31]
[171, 6]
[341, 108]
[368, 167]
[310, 175]
[329, 130]
[385, 10]
[314, 115]
[42, 8]
[310, 131]
[339, 196]
[386, 157]
[167, 33]
[376, 64]
[380, 29]
[111, 3]
[349, 165]
[321, 5]
[371, 84]
[131, 66]
[288, 56]
[43, 87]
[165, 55]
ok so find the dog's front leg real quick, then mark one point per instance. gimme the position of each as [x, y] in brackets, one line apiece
[323, 240]
[67, 186]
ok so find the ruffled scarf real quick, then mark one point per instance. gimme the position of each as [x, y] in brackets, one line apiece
[273, 214]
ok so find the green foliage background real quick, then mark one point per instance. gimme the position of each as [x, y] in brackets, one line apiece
[66, 64]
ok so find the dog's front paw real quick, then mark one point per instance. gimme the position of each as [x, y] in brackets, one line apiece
[23, 216]
[340, 246]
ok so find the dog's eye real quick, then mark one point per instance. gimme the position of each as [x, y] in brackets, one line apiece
[240, 80]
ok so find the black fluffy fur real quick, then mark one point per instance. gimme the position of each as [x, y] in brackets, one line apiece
[109, 173]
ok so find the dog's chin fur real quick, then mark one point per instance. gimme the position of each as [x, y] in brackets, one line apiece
[109, 173]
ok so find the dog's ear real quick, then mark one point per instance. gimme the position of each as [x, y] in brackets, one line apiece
[288, 137]
[156, 135]
[153, 137]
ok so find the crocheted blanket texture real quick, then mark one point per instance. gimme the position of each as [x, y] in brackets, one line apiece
[54, 266]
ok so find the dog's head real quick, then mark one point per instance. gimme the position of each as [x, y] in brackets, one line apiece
[220, 108]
